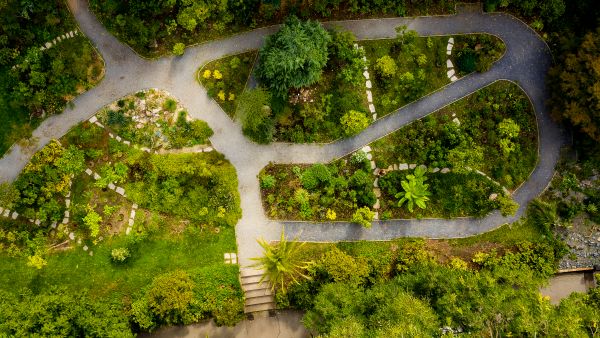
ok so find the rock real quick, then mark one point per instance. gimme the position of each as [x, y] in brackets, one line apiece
[118, 138]
[449, 64]
[366, 75]
[120, 191]
[376, 205]
[445, 170]
[93, 119]
[371, 108]
[91, 253]
[493, 197]
[450, 73]
[127, 231]
[1, 210]
[67, 214]
[412, 166]
[88, 171]
[366, 149]
[369, 96]
[6, 213]
[376, 183]
[373, 165]
[53, 225]
[377, 192]
[390, 168]
[376, 215]
[48, 45]
[126, 142]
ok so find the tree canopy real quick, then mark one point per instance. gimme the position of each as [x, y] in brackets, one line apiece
[293, 57]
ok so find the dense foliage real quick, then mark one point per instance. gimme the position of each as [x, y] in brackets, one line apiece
[476, 52]
[35, 83]
[371, 290]
[293, 57]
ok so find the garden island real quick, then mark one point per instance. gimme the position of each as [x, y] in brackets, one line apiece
[330, 168]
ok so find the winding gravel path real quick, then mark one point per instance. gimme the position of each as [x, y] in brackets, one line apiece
[526, 61]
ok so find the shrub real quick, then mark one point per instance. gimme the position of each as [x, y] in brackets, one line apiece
[386, 66]
[466, 61]
[331, 215]
[363, 216]
[353, 122]
[119, 255]
[254, 112]
[358, 158]
[267, 181]
[170, 105]
[92, 221]
[508, 207]
[315, 176]
[341, 267]
[179, 48]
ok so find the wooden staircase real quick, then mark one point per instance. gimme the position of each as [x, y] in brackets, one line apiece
[258, 296]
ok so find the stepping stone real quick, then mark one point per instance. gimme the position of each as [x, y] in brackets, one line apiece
[15, 215]
[126, 142]
[377, 192]
[1, 210]
[85, 248]
[376, 215]
[435, 170]
[88, 171]
[445, 170]
[448, 52]
[134, 206]
[118, 138]
[364, 58]
[493, 197]
[99, 124]
[233, 258]
[91, 253]
[120, 191]
[111, 186]
[422, 166]
[42, 48]
[227, 258]
[366, 149]
[65, 221]
[53, 225]
[130, 222]
[390, 168]
[79, 241]
[48, 45]
[145, 149]
[68, 202]
[369, 156]
[127, 231]
[369, 96]
[454, 78]
[377, 205]
[54, 42]
[376, 171]
[376, 182]
[6, 213]
[366, 74]
[449, 47]
[396, 167]
[67, 214]
[208, 149]
[355, 46]
[59, 39]
[96, 176]
[371, 108]
[132, 214]
[368, 84]
[373, 165]
[38, 222]
[403, 166]
[449, 64]
[375, 117]
[71, 236]
[93, 119]
[450, 73]
[456, 121]
[451, 40]
[111, 135]
[412, 166]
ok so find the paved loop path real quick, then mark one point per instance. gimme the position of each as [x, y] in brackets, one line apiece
[526, 61]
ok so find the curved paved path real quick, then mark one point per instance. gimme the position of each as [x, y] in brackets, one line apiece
[526, 61]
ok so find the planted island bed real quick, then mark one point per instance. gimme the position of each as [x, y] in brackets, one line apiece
[474, 151]
[118, 219]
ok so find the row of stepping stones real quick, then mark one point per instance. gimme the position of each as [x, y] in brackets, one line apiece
[131, 218]
[368, 85]
[111, 186]
[95, 121]
[66, 36]
[451, 73]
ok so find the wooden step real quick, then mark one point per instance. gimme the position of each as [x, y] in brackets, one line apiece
[258, 293]
[259, 300]
[259, 307]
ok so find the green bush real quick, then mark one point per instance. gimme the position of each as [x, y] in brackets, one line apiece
[318, 175]
[363, 216]
[179, 48]
[119, 255]
[353, 122]
[341, 267]
[267, 181]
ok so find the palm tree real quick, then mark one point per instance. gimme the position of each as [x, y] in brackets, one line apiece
[415, 190]
[281, 263]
